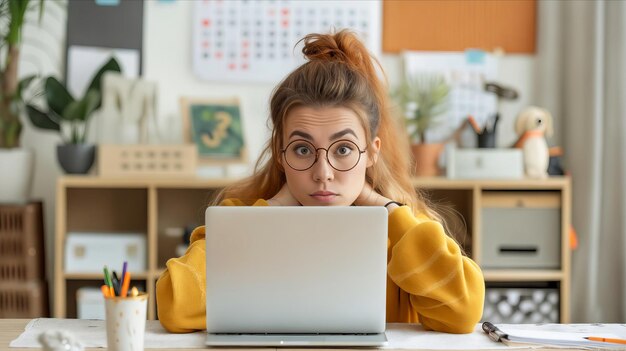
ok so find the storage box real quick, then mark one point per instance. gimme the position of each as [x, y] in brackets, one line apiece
[521, 305]
[89, 252]
[90, 303]
[21, 242]
[147, 160]
[521, 230]
[23, 299]
[484, 163]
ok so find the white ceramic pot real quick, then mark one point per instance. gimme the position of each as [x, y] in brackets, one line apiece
[16, 175]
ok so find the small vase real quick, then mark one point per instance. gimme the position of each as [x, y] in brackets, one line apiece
[76, 158]
[426, 157]
[16, 177]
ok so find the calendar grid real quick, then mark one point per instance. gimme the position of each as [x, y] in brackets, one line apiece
[253, 41]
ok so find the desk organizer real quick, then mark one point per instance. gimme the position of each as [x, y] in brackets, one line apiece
[147, 160]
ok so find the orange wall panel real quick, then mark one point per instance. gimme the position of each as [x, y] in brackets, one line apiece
[455, 25]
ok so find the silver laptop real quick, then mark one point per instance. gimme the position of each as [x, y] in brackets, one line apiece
[296, 276]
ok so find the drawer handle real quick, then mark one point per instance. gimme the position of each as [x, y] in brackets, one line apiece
[519, 249]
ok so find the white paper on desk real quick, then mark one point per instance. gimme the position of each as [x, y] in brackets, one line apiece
[402, 336]
[565, 336]
[92, 333]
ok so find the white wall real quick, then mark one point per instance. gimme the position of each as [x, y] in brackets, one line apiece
[167, 61]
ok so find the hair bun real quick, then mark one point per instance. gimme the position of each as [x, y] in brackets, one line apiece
[343, 46]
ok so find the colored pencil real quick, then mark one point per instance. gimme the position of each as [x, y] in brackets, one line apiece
[124, 266]
[611, 340]
[105, 290]
[125, 285]
[107, 279]
[116, 284]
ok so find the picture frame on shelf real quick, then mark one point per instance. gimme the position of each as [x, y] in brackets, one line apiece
[215, 127]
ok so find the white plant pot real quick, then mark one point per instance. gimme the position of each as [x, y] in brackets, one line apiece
[16, 175]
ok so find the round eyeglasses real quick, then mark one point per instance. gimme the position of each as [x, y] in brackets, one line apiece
[342, 155]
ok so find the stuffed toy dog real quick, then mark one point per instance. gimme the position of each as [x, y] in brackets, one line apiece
[533, 126]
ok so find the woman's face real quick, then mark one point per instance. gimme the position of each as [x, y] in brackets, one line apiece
[314, 181]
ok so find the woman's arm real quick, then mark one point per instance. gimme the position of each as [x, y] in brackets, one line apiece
[447, 288]
[180, 291]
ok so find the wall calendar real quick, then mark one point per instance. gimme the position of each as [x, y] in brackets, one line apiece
[255, 40]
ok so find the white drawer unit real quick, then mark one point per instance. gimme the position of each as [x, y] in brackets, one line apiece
[521, 230]
[90, 252]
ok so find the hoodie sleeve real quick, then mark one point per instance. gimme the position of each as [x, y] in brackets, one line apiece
[446, 288]
[180, 290]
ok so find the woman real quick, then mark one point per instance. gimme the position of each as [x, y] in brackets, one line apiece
[335, 143]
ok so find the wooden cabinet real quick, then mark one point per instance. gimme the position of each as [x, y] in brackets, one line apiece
[155, 206]
[114, 205]
[471, 198]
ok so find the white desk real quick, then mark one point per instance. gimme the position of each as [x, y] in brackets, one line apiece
[401, 336]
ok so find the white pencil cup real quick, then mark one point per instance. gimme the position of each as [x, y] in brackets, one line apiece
[126, 322]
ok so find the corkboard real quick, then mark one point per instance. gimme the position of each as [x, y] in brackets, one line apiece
[456, 25]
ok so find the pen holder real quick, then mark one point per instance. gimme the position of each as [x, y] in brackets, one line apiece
[126, 322]
[486, 139]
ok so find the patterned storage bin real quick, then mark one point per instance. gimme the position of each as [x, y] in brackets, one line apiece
[23, 290]
[21, 242]
[23, 299]
[521, 305]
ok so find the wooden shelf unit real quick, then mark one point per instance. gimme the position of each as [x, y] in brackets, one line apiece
[470, 207]
[152, 205]
[98, 204]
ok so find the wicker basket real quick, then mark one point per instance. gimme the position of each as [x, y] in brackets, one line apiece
[23, 299]
[21, 242]
[147, 160]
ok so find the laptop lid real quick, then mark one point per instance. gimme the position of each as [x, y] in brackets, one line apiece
[296, 269]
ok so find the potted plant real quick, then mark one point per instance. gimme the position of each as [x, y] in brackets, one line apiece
[16, 163]
[70, 118]
[424, 98]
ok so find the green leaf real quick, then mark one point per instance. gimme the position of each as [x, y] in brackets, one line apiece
[41, 120]
[57, 96]
[111, 65]
[91, 103]
[75, 111]
[17, 9]
[23, 84]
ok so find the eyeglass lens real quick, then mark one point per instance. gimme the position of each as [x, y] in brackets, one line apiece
[342, 155]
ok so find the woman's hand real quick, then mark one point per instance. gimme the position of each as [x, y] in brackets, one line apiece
[283, 198]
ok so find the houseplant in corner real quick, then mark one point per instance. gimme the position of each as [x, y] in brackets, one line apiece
[70, 118]
[16, 163]
[424, 98]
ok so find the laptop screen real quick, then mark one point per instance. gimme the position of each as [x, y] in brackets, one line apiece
[296, 269]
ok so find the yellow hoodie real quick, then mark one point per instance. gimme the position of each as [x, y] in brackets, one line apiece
[428, 279]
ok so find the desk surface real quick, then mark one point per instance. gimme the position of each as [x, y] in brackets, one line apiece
[10, 329]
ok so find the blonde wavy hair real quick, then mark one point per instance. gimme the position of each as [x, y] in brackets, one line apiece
[340, 72]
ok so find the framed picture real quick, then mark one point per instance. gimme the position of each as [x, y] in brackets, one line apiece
[214, 126]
